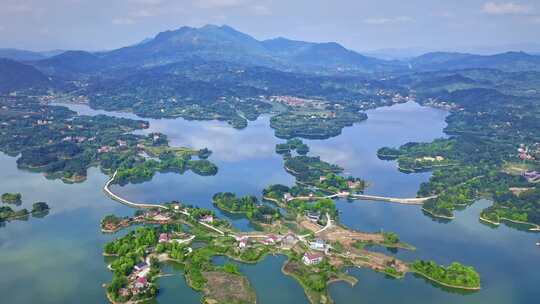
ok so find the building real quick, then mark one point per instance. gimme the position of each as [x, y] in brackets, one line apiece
[318, 244]
[532, 176]
[161, 218]
[207, 219]
[270, 240]
[310, 258]
[243, 243]
[287, 196]
[141, 266]
[163, 238]
[289, 240]
[141, 282]
[313, 216]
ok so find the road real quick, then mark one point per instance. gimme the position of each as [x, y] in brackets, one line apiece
[405, 201]
[148, 206]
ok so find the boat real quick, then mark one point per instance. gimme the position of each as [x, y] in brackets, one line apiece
[538, 243]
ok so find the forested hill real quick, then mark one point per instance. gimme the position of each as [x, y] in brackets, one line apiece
[16, 76]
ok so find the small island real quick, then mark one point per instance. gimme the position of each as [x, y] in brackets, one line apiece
[12, 198]
[40, 208]
[454, 276]
[7, 214]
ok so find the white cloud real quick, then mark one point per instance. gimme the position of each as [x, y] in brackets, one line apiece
[123, 21]
[385, 20]
[147, 2]
[261, 10]
[220, 3]
[504, 8]
[144, 13]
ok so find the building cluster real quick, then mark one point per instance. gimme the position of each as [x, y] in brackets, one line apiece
[437, 158]
[137, 281]
[532, 176]
[528, 153]
[285, 241]
[299, 102]
[312, 258]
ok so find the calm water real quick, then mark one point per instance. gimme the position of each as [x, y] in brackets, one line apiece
[58, 259]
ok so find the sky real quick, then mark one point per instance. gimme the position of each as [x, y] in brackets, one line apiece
[361, 25]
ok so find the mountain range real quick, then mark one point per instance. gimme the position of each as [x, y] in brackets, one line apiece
[223, 44]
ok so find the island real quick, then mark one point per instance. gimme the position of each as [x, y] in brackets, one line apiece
[296, 222]
[12, 198]
[57, 142]
[39, 209]
[480, 158]
[455, 276]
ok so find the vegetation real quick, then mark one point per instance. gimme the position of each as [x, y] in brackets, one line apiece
[486, 129]
[314, 126]
[7, 213]
[455, 275]
[53, 140]
[309, 169]
[40, 207]
[247, 205]
[291, 145]
[11, 198]
[416, 157]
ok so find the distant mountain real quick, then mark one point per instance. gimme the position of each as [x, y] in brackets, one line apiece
[20, 55]
[213, 43]
[510, 61]
[71, 64]
[220, 43]
[16, 76]
[209, 42]
[24, 55]
[325, 56]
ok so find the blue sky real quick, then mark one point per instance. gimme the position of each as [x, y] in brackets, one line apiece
[358, 24]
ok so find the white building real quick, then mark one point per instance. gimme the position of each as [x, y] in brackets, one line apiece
[312, 258]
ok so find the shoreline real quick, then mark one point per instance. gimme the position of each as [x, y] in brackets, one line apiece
[534, 227]
[438, 215]
[443, 283]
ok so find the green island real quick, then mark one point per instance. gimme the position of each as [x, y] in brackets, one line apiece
[312, 171]
[318, 248]
[39, 209]
[317, 255]
[55, 141]
[292, 145]
[308, 106]
[7, 213]
[11, 198]
[480, 158]
[454, 276]
[248, 205]
[314, 125]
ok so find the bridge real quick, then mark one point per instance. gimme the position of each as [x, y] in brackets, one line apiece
[125, 201]
[405, 201]
[147, 206]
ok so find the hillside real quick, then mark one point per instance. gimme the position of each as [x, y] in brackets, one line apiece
[16, 76]
[510, 62]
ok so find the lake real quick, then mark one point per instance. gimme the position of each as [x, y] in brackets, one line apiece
[57, 259]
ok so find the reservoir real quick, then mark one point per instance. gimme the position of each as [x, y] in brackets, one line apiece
[58, 258]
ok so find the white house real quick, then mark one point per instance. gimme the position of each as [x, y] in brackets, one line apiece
[318, 244]
[312, 258]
